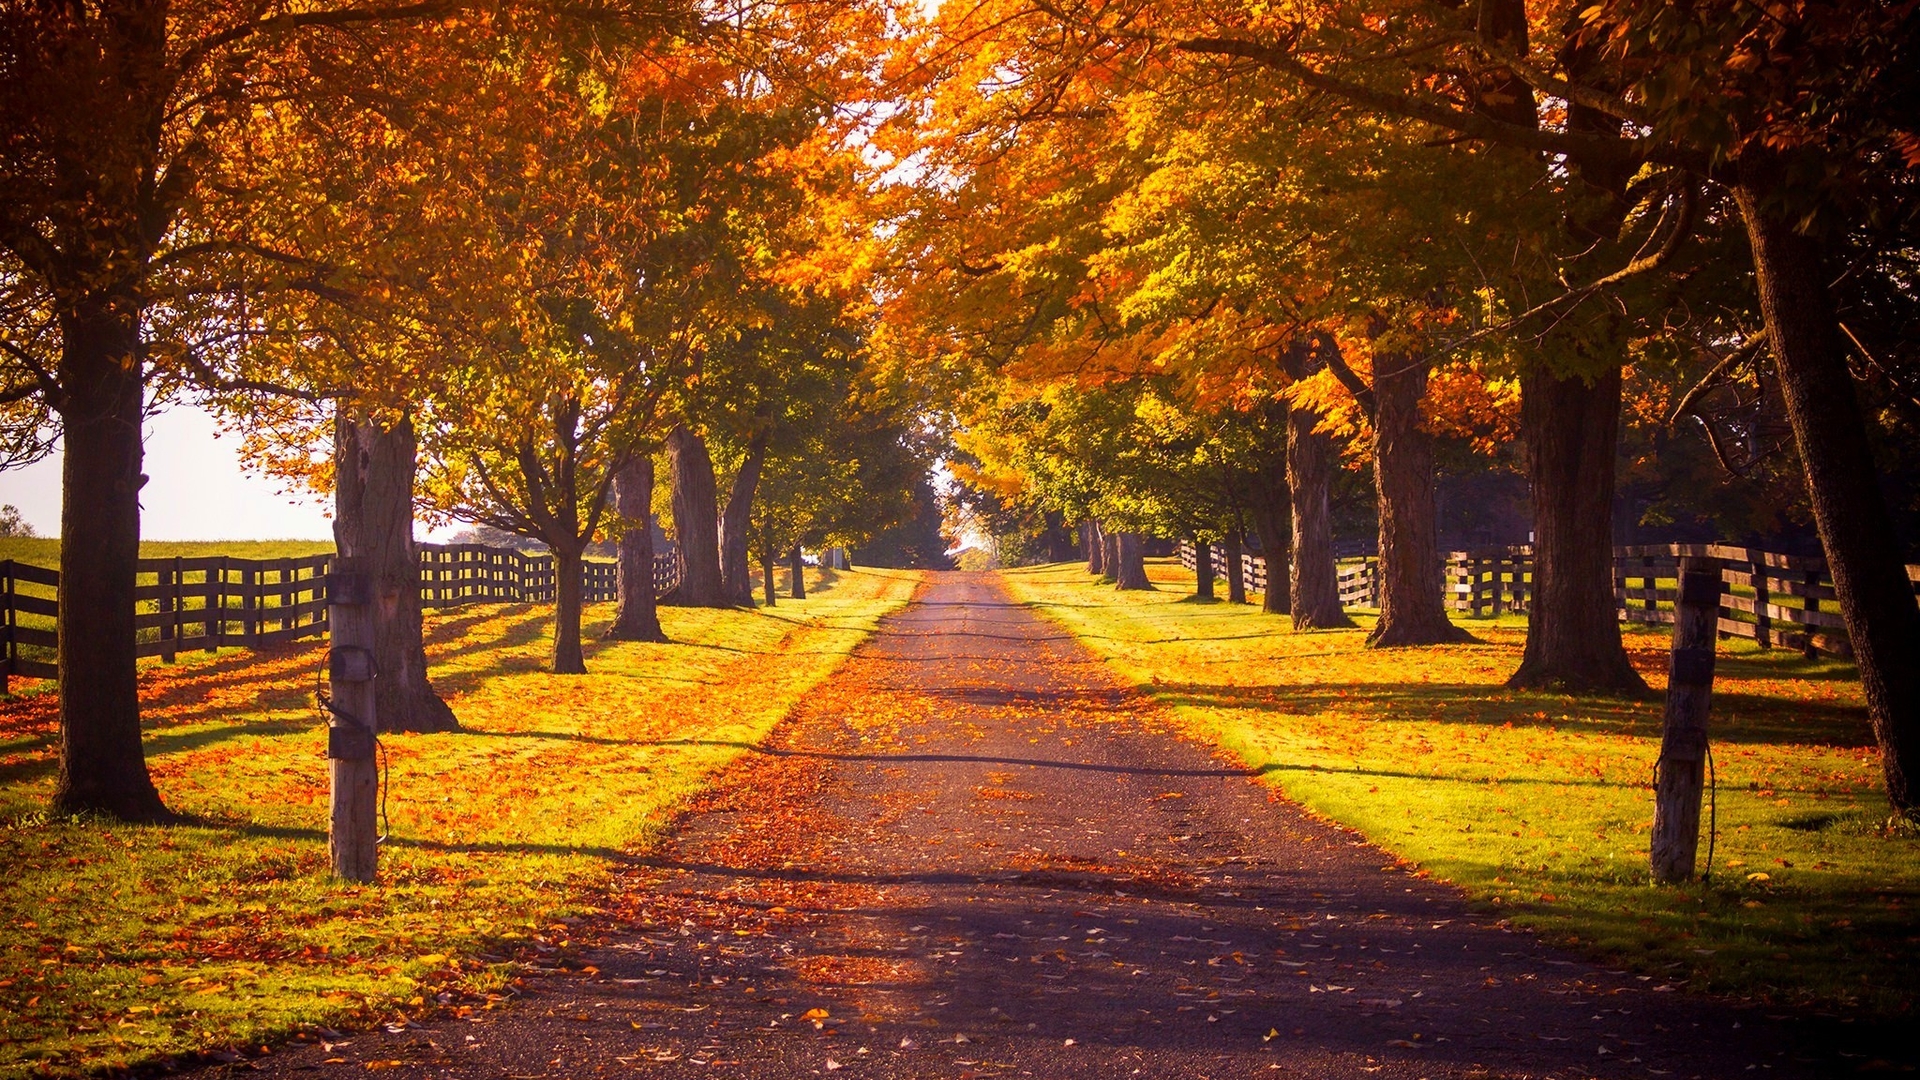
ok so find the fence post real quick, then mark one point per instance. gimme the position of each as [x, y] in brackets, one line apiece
[169, 582]
[250, 604]
[1812, 581]
[7, 617]
[1762, 597]
[216, 604]
[352, 834]
[1680, 772]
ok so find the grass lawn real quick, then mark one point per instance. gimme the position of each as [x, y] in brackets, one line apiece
[129, 943]
[43, 551]
[1539, 805]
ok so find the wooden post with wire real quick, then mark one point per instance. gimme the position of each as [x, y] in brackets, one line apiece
[1680, 773]
[352, 832]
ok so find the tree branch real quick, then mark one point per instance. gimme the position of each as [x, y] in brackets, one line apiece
[1329, 351]
[1471, 125]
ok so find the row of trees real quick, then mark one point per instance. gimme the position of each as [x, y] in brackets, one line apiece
[488, 262]
[1193, 258]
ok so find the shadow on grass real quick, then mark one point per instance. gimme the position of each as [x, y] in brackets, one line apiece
[976, 759]
[169, 742]
[1737, 718]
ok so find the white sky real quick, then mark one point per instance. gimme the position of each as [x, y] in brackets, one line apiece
[195, 490]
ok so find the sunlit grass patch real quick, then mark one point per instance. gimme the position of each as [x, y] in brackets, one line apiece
[1540, 804]
[126, 943]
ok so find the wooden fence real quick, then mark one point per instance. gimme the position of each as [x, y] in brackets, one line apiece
[1774, 599]
[211, 601]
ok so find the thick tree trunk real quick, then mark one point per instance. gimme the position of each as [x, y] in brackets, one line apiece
[736, 526]
[1412, 610]
[1096, 548]
[797, 566]
[1202, 570]
[567, 570]
[1863, 553]
[1131, 569]
[1272, 524]
[103, 765]
[766, 569]
[1572, 429]
[696, 523]
[1313, 579]
[374, 471]
[635, 618]
[1235, 549]
[1110, 553]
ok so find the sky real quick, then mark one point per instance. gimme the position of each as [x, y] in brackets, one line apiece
[196, 489]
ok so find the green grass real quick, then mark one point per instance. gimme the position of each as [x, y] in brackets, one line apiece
[41, 551]
[1539, 805]
[127, 944]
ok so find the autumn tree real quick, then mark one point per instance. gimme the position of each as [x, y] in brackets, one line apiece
[129, 200]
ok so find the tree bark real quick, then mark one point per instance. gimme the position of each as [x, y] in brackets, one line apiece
[1412, 609]
[1110, 553]
[696, 522]
[1313, 579]
[635, 618]
[1863, 552]
[798, 567]
[736, 525]
[103, 765]
[1096, 548]
[1131, 571]
[567, 569]
[1572, 429]
[1235, 552]
[766, 567]
[1202, 570]
[1272, 524]
[374, 471]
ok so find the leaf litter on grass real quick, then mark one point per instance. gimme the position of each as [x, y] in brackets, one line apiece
[1539, 804]
[133, 942]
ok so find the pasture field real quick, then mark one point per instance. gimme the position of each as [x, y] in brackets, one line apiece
[131, 943]
[45, 551]
[1540, 805]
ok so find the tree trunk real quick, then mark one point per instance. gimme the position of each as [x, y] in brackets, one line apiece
[1202, 570]
[1131, 569]
[1863, 553]
[103, 765]
[696, 523]
[1235, 552]
[635, 618]
[798, 567]
[1272, 525]
[373, 478]
[567, 570]
[1313, 579]
[1096, 548]
[1110, 553]
[766, 568]
[736, 526]
[1412, 610]
[1572, 430]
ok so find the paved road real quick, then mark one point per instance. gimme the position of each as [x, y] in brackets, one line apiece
[977, 855]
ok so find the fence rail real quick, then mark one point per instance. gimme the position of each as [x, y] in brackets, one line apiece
[1771, 598]
[183, 604]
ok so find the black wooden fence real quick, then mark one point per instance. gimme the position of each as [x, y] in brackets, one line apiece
[1774, 599]
[183, 604]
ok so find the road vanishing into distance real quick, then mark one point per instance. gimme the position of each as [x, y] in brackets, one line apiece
[976, 854]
